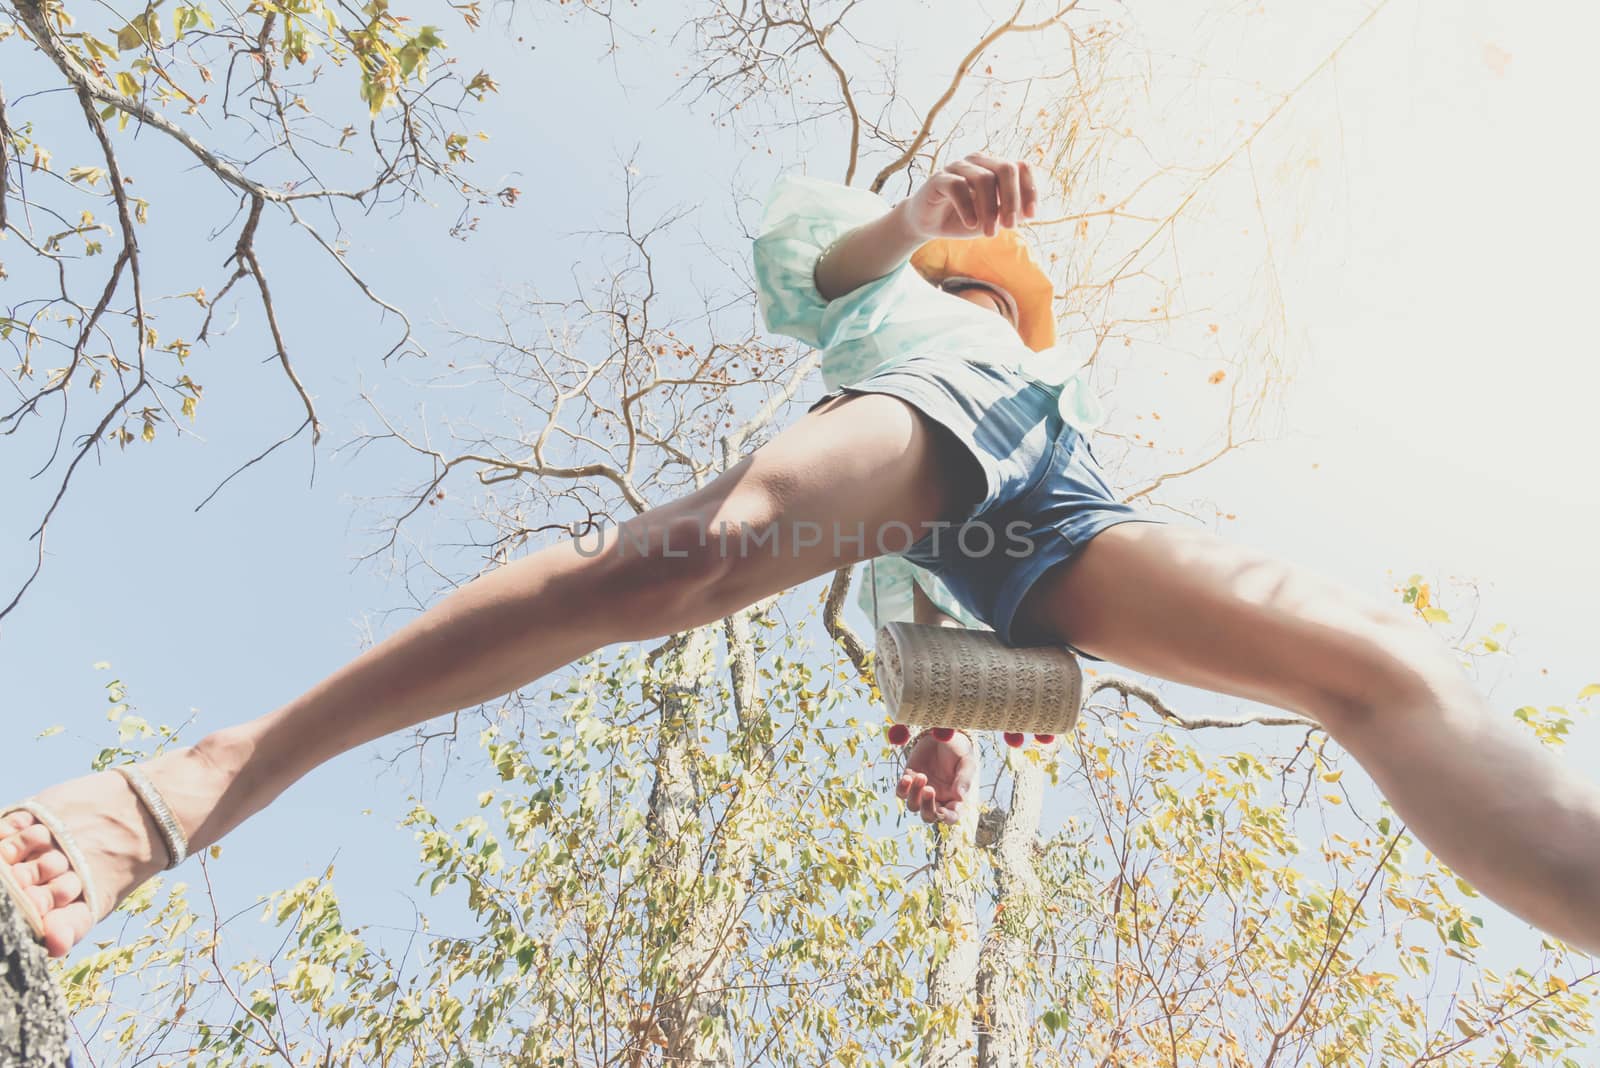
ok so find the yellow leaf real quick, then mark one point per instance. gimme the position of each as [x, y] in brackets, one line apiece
[1332, 776]
[90, 175]
[1591, 690]
[149, 432]
[1333, 799]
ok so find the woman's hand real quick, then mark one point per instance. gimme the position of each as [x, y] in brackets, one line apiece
[972, 197]
[940, 776]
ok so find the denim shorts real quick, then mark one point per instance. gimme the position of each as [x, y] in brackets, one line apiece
[1045, 494]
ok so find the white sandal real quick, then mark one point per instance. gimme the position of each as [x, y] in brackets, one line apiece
[176, 841]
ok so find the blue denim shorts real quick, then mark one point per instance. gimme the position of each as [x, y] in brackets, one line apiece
[1045, 493]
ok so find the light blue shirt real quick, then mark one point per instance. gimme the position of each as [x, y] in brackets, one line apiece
[879, 324]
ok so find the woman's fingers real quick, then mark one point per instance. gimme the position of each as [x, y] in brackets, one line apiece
[959, 194]
[982, 182]
[1030, 192]
[1007, 186]
[911, 785]
[983, 193]
[922, 798]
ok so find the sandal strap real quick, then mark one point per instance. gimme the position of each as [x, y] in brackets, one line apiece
[69, 848]
[171, 831]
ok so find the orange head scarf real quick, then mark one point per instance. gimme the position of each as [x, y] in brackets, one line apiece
[1005, 261]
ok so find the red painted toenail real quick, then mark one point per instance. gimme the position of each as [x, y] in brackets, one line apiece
[944, 734]
[899, 734]
[1044, 739]
[1015, 740]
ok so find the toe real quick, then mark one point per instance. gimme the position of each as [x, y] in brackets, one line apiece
[47, 878]
[24, 874]
[51, 895]
[41, 869]
[16, 821]
[26, 844]
[40, 896]
[48, 866]
[64, 927]
[65, 889]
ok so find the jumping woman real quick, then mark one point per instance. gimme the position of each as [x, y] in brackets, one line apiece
[950, 409]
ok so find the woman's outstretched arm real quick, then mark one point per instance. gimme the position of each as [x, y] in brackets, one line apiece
[867, 253]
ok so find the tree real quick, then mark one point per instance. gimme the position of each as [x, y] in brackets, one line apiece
[33, 1020]
[689, 861]
[291, 113]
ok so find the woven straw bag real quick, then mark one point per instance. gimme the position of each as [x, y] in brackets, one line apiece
[933, 676]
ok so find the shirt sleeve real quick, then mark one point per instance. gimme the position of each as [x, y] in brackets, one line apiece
[803, 217]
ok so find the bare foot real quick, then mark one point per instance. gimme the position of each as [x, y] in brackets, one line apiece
[120, 840]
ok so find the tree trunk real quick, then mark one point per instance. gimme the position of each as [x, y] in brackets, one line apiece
[957, 874]
[711, 932]
[688, 943]
[1004, 1004]
[33, 1018]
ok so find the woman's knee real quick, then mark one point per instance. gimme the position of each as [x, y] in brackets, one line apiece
[1389, 660]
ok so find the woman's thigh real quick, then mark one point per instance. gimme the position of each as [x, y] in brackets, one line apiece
[858, 476]
[1186, 605]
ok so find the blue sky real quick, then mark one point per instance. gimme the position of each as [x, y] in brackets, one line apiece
[1437, 264]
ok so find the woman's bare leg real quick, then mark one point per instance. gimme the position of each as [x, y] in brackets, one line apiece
[856, 466]
[1507, 814]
